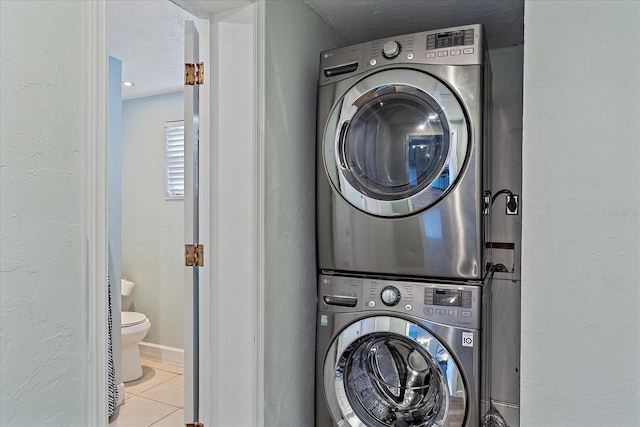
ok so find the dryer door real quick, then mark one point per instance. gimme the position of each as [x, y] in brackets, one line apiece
[385, 371]
[396, 142]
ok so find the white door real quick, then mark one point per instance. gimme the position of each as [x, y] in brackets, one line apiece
[193, 274]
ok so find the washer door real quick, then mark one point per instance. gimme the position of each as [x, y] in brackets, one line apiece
[388, 372]
[395, 143]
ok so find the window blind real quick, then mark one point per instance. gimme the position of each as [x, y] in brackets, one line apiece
[174, 159]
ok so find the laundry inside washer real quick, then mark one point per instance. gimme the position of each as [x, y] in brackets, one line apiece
[389, 380]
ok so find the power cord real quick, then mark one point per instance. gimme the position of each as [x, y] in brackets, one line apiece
[503, 191]
[512, 200]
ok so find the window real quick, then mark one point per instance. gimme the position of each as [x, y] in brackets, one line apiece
[174, 159]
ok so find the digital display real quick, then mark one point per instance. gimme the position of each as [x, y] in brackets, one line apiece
[450, 39]
[454, 38]
[447, 298]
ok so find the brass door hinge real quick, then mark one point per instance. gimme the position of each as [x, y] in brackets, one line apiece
[194, 73]
[194, 255]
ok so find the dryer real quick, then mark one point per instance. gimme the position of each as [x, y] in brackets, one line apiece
[397, 353]
[401, 135]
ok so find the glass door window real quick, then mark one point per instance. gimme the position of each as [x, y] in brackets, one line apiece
[388, 371]
[395, 142]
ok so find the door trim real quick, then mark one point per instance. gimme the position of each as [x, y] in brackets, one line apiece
[95, 207]
[206, 236]
[259, 211]
[236, 333]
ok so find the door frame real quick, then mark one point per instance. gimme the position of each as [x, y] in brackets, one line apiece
[95, 208]
[95, 220]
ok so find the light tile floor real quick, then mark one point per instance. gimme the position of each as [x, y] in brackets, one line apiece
[156, 399]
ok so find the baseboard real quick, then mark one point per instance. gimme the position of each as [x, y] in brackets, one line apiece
[120, 394]
[162, 353]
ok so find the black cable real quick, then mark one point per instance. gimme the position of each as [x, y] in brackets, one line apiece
[503, 191]
[492, 269]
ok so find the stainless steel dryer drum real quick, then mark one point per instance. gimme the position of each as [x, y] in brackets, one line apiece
[400, 155]
[392, 353]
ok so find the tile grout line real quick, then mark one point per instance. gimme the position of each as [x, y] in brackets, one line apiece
[147, 389]
[166, 416]
[159, 401]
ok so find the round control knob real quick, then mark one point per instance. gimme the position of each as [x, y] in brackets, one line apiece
[390, 296]
[391, 49]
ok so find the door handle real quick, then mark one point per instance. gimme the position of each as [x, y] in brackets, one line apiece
[340, 300]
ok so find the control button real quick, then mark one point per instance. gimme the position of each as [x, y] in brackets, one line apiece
[467, 50]
[431, 41]
[454, 52]
[430, 55]
[466, 314]
[390, 295]
[373, 62]
[428, 311]
[391, 49]
[443, 53]
[371, 303]
[453, 312]
[441, 311]
[408, 307]
[409, 56]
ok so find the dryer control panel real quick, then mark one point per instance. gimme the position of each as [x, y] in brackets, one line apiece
[445, 303]
[449, 46]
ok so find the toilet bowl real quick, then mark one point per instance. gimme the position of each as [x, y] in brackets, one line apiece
[134, 328]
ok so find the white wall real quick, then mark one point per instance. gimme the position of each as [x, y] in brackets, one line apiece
[152, 227]
[43, 364]
[581, 214]
[295, 35]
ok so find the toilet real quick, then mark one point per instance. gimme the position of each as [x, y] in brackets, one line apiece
[134, 327]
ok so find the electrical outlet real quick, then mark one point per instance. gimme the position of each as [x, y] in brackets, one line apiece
[513, 204]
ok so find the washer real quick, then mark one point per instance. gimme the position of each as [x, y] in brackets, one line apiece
[400, 177]
[397, 354]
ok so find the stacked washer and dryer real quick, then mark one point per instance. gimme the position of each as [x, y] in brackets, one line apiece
[401, 183]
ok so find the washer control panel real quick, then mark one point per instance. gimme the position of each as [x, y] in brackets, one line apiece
[451, 304]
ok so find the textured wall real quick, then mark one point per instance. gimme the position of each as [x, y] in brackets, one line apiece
[290, 299]
[152, 227]
[42, 297]
[581, 214]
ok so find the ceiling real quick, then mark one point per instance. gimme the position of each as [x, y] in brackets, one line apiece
[148, 35]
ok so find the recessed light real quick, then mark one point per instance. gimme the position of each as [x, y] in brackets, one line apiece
[127, 83]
